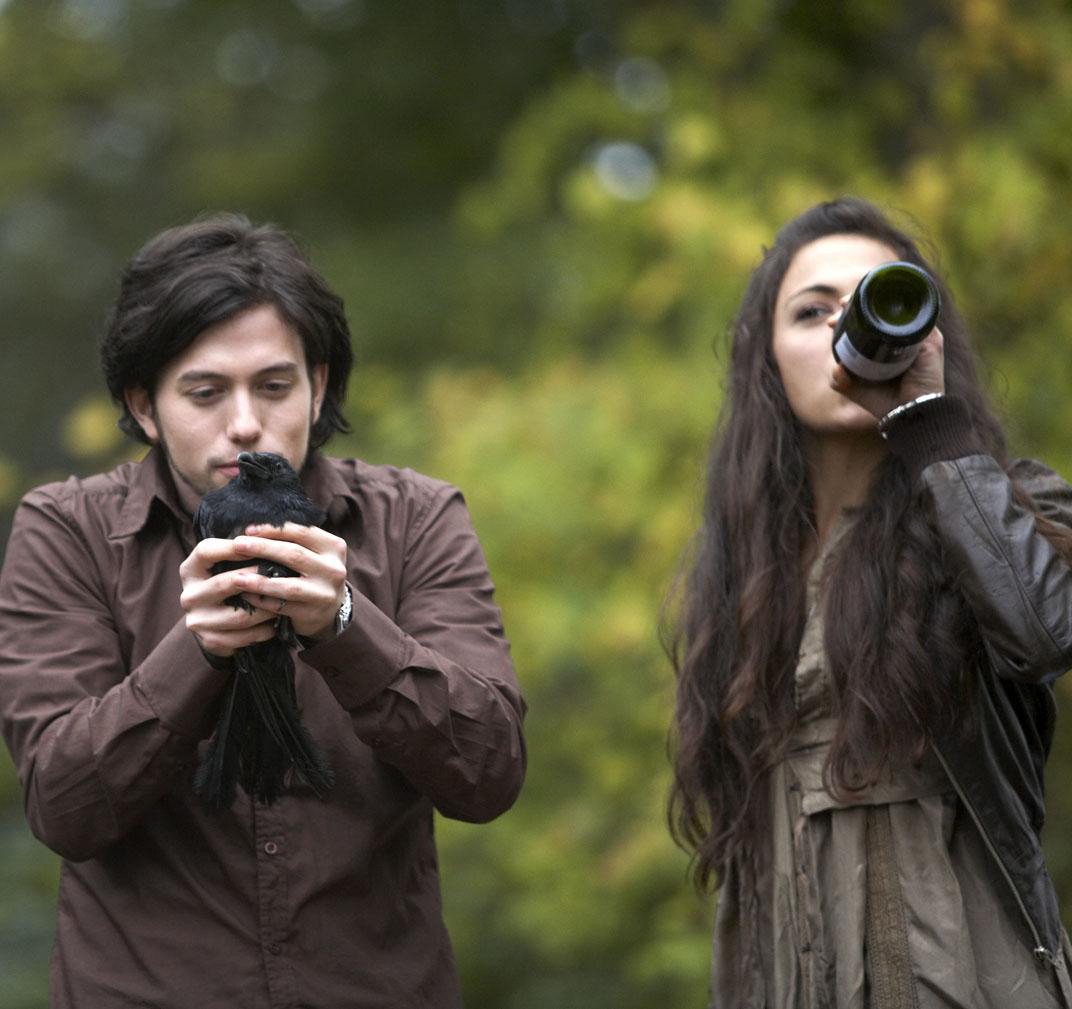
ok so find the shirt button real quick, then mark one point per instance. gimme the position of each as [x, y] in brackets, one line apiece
[271, 848]
[274, 948]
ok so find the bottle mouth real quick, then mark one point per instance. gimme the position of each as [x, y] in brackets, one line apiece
[900, 299]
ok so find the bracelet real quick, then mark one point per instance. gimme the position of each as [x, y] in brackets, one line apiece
[904, 408]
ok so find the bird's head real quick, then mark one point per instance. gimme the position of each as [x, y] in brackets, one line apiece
[264, 467]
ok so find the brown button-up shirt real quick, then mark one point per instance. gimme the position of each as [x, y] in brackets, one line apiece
[105, 699]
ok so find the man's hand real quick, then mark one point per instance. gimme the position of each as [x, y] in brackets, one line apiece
[220, 627]
[926, 375]
[312, 599]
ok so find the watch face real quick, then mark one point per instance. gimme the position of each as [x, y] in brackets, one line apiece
[342, 618]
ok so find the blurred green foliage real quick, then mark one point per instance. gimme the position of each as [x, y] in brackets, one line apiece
[542, 214]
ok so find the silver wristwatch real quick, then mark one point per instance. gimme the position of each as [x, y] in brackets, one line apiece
[346, 611]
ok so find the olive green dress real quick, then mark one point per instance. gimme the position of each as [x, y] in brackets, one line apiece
[947, 932]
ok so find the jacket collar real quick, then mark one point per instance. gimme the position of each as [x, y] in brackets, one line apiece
[152, 485]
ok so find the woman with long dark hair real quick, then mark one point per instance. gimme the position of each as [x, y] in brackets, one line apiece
[873, 616]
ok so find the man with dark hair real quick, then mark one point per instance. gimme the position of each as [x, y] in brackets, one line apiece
[116, 641]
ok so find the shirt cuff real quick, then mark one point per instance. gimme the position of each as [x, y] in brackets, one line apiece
[179, 684]
[934, 431]
[362, 661]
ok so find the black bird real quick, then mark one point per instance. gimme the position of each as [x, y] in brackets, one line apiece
[259, 733]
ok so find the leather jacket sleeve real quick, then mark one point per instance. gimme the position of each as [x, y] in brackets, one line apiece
[1013, 575]
[1015, 579]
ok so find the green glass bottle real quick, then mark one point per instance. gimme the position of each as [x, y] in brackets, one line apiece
[891, 311]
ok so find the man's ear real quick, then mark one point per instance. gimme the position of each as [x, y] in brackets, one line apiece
[140, 404]
[318, 380]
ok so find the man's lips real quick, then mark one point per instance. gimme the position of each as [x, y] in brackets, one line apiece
[228, 469]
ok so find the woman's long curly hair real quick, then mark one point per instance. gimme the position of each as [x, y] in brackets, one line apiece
[898, 646]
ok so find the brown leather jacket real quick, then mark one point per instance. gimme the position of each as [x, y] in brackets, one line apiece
[1019, 588]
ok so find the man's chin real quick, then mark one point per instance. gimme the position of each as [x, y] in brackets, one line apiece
[192, 487]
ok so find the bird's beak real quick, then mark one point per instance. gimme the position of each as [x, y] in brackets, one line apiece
[250, 465]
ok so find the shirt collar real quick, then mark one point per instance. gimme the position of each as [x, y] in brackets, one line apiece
[152, 482]
[326, 487]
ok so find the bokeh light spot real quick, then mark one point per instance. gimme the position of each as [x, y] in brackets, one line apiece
[626, 170]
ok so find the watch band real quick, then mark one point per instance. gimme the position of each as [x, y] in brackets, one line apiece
[346, 611]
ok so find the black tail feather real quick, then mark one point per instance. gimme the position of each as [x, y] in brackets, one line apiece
[259, 732]
[217, 774]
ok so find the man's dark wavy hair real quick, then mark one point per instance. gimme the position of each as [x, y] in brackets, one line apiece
[198, 275]
[903, 645]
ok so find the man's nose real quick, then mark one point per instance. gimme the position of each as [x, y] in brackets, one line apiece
[244, 425]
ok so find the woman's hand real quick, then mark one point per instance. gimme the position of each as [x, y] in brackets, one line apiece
[926, 375]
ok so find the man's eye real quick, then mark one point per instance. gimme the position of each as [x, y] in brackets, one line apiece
[277, 388]
[203, 394]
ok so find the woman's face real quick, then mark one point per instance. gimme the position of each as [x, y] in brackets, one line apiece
[809, 299]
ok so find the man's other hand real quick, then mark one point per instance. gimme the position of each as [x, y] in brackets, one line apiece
[312, 598]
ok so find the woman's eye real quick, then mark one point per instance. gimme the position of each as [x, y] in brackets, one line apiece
[809, 313]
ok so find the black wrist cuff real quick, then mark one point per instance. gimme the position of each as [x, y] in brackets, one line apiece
[933, 431]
